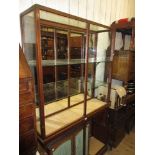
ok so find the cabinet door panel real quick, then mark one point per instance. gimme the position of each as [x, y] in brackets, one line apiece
[79, 143]
[63, 149]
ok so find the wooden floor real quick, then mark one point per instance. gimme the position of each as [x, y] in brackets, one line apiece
[126, 147]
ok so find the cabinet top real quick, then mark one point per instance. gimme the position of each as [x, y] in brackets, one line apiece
[55, 14]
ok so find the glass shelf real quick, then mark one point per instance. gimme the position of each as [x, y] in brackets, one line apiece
[60, 62]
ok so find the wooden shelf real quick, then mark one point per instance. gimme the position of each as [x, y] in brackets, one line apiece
[65, 118]
[95, 146]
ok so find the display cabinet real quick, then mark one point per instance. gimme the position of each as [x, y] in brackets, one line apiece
[63, 52]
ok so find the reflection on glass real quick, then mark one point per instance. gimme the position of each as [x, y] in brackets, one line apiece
[90, 84]
[48, 83]
[76, 50]
[47, 47]
[61, 19]
[76, 86]
[62, 89]
[29, 45]
[92, 46]
[29, 42]
[62, 73]
[101, 81]
[96, 28]
[62, 44]
[91, 66]
[49, 92]
[47, 43]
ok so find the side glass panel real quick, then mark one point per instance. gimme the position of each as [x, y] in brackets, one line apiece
[63, 149]
[29, 45]
[92, 63]
[102, 64]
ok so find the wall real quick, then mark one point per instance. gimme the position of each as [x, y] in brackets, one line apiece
[102, 11]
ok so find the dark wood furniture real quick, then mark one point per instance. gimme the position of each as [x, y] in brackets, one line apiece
[61, 51]
[116, 120]
[27, 121]
[121, 119]
[123, 65]
[130, 113]
[123, 59]
[100, 126]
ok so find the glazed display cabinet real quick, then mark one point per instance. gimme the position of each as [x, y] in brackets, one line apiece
[63, 52]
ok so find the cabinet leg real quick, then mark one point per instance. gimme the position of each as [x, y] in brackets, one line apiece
[49, 152]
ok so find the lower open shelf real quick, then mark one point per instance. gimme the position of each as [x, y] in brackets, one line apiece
[95, 146]
[65, 118]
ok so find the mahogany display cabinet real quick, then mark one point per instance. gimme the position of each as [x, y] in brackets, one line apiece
[63, 52]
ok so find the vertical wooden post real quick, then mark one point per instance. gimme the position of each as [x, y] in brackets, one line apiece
[94, 65]
[69, 68]
[123, 38]
[132, 39]
[55, 66]
[113, 35]
[86, 70]
[39, 72]
[82, 58]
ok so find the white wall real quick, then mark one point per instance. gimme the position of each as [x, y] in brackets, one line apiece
[102, 11]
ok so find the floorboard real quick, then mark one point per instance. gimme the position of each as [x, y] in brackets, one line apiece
[126, 147]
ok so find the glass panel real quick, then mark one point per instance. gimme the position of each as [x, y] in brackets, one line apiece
[92, 46]
[53, 17]
[47, 43]
[29, 45]
[96, 28]
[47, 47]
[87, 138]
[76, 82]
[75, 86]
[61, 64]
[49, 92]
[77, 68]
[62, 45]
[62, 89]
[61, 19]
[91, 65]
[62, 82]
[91, 80]
[79, 143]
[77, 23]
[63, 149]
[102, 64]
[76, 48]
